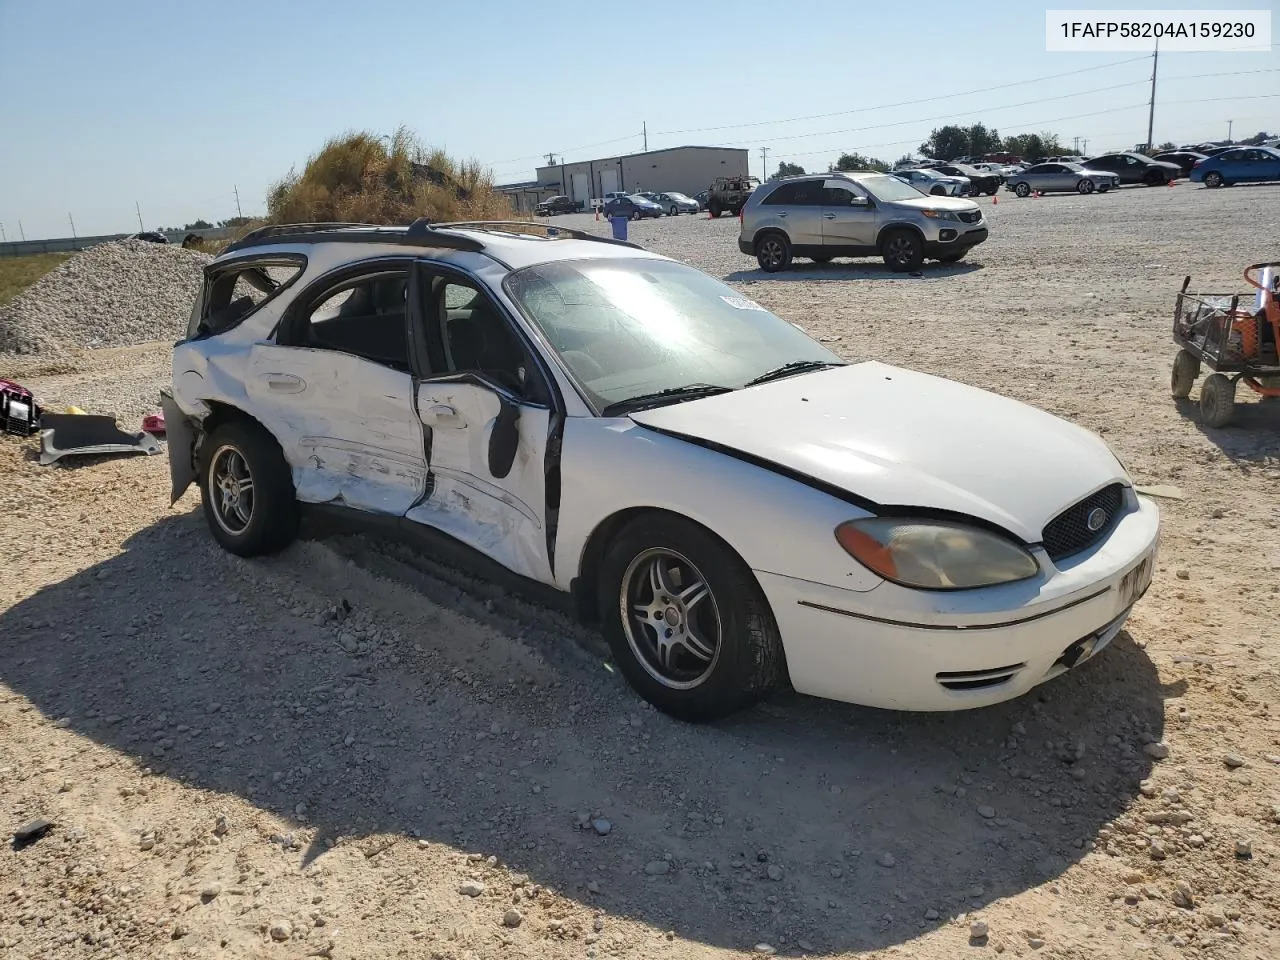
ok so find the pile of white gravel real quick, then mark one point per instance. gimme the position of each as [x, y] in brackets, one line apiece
[111, 295]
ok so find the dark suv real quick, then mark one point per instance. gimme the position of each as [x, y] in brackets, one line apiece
[553, 205]
[1135, 168]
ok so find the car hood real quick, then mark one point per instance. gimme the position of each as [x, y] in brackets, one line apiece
[924, 202]
[898, 438]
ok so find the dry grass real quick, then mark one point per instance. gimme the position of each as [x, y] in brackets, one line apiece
[18, 273]
[363, 178]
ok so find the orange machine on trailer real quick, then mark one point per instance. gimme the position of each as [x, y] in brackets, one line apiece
[1235, 342]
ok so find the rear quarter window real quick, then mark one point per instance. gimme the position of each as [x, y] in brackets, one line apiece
[234, 291]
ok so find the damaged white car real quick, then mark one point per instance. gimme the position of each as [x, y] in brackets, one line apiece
[737, 506]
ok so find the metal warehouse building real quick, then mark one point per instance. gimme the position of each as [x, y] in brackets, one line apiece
[687, 170]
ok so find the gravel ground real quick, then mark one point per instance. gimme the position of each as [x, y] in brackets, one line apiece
[348, 750]
[112, 294]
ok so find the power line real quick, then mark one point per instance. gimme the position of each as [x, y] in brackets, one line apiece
[905, 103]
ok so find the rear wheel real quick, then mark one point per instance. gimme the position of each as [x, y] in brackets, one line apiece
[1085, 186]
[673, 211]
[247, 490]
[773, 252]
[1186, 367]
[1217, 400]
[902, 250]
[686, 620]
[1214, 179]
[1022, 189]
[714, 209]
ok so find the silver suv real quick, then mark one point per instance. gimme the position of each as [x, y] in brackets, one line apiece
[856, 215]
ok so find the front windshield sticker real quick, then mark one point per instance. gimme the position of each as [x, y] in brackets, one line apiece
[742, 303]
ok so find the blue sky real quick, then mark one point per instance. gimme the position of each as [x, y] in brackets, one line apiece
[175, 104]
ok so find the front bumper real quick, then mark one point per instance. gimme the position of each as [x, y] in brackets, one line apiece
[957, 236]
[906, 649]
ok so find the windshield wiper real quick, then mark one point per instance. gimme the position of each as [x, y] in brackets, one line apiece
[691, 391]
[790, 369]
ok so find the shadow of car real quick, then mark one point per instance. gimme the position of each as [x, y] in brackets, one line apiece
[395, 701]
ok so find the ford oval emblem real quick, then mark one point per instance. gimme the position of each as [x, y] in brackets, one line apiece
[1096, 519]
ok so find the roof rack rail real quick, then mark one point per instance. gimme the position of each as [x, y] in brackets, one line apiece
[419, 233]
[551, 229]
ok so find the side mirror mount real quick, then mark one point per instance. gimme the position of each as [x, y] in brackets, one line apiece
[860, 202]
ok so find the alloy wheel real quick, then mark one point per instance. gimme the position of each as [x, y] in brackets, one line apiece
[231, 487]
[670, 618]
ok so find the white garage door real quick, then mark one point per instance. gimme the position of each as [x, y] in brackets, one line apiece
[581, 188]
[608, 181]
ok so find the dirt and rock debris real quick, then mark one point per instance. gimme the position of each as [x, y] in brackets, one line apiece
[350, 750]
[113, 294]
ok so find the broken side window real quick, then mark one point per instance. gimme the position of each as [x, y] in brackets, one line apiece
[235, 290]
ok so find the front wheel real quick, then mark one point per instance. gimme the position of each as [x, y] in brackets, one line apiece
[714, 210]
[939, 191]
[636, 215]
[1085, 186]
[1023, 190]
[902, 250]
[773, 252]
[247, 490]
[1217, 400]
[686, 620]
[1214, 179]
[674, 211]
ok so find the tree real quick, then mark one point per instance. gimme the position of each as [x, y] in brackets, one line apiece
[1258, 138]
[1166, 147]
[199, 225]
[787, 170]
[234, 222]
[1033, 146]
[856, 161]
[946, 143]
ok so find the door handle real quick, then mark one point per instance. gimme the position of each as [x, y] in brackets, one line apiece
[828, 216]
[284, 382]
[782, 214]
[444, 415]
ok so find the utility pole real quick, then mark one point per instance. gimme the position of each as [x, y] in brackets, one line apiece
[644, 132]
[1086, 146]
[3, 238]
[73, 226]
[764, 163]
[551, 159]
[139, 212]
[1229, 123]
[1075, 145]
[22, 232]
[1151, 115]
[239, 212]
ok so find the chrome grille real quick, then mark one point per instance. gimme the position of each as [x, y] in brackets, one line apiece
[1068, 533]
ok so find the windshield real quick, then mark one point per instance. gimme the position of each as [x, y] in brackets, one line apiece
[889, 189]
[1073, 167]
[628, 327]
[679, 196]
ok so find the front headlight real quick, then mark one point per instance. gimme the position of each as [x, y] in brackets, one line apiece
[934, 554]
[940, 215]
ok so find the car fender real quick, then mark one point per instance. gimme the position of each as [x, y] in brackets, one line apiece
[896, 224]
[776, 523]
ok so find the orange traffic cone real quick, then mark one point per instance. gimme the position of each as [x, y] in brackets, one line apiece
[995, 201]
[1172, 182]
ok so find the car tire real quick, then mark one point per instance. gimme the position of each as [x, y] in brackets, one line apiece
[674, 211]
[820, 259]
[773, 252]
[902, 250]
[1186, 367]
[939, 191]
[1213, 179]
[714, 210]
[234, 452]
[1085, 187]
[1217, 400]
[647, 563]
[1022, 189]
[636, 215]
